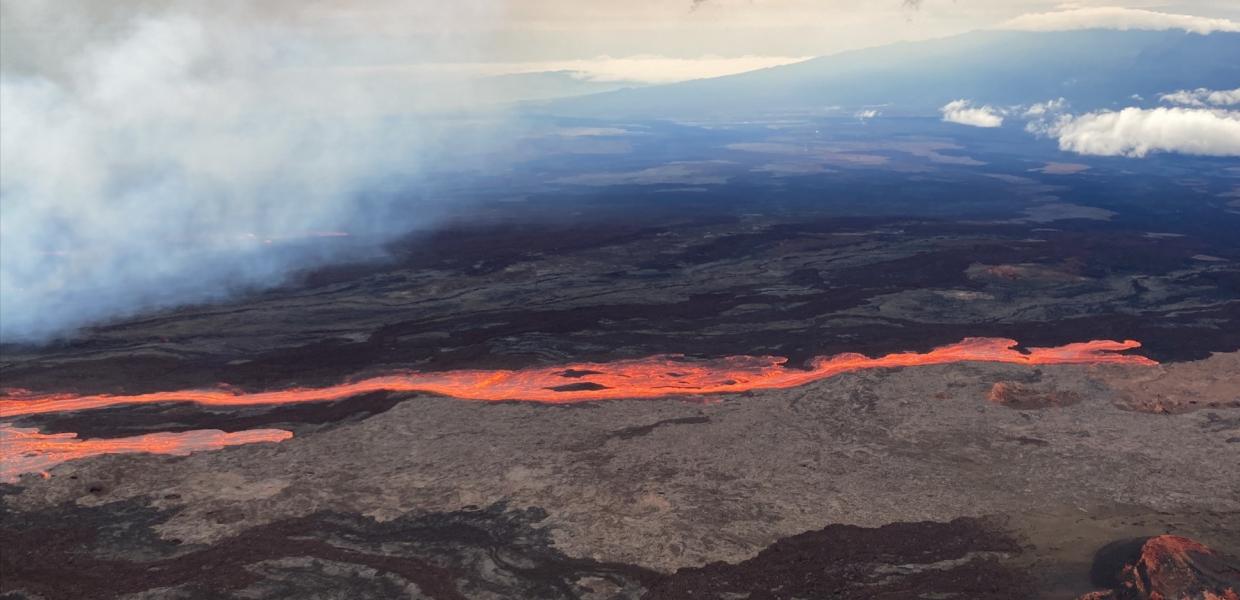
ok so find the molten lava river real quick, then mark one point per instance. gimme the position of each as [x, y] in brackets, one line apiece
[27, 450]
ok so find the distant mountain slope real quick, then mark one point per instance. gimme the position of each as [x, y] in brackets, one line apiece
[1092, 69]
[540, 85]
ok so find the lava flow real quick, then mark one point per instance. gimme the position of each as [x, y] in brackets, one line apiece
[654, 377]
[28, 451]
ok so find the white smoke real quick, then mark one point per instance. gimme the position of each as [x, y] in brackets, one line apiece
[178, 156]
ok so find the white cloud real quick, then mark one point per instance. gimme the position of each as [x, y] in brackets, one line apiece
[1114, 17]
[1042, 109]
[1043, 116]
[1203, 97]
[964, 113]
[1137, 132]
[867, 114]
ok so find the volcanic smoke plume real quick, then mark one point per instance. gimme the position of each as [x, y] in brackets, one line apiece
[179, 151]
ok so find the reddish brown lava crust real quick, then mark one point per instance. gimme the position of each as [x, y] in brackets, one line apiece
[1022, 397]
[1170, 567]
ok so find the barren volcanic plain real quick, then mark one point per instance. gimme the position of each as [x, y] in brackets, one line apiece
[1012, 380]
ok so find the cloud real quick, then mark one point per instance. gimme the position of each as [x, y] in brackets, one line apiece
[1203, 97]
[1043, 116]
[1136, 132]
[1114, 17]
[964, 113]
[866, 114]
[1041, 109]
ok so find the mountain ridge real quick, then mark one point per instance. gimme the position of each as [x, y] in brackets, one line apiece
[1092, 69]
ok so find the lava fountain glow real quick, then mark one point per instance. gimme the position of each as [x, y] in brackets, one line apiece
[653, 377]
[28, 451]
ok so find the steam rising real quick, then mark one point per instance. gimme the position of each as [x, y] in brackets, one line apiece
[183, 156]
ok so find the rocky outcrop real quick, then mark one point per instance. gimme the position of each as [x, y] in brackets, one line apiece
[1025, 397]
[1170, 567]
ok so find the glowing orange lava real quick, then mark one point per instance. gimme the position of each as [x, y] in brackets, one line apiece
[654, 377]
[28, 451]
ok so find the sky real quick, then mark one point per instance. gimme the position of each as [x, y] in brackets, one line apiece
[611, 40]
